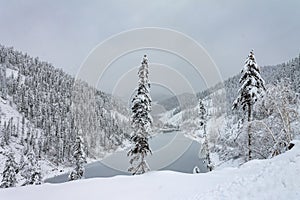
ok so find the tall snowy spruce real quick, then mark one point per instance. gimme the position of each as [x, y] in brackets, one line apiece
[79, 158]
[203, 121]
[9, 173]
[3, 81]
[141, 121]
[252, 88]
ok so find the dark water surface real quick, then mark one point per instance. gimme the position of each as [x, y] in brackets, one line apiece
[171, 151]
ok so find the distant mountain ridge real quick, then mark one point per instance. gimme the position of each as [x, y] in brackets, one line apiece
[272, 74]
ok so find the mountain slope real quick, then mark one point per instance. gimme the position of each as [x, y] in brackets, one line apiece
[49, 108]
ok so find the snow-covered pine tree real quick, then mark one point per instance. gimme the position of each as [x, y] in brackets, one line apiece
[203, 122]
[31, 170]
[3, 82]
[9, 173]
[252, 88]
[141, 121]
[79, 158]
[5, 132]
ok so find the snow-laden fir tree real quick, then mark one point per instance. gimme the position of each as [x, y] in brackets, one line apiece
[31, 170]
[79, 158]
[3, 81]
[9, 173]
[141, 121]
[203, 122]
[252, 88]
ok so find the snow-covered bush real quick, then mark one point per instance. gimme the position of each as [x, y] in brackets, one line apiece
[275, 130]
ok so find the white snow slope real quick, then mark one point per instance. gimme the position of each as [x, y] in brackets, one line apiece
[276, 178]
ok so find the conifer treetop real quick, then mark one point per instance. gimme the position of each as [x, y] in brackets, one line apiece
[252, 84]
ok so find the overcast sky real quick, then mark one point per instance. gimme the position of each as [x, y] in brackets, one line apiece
[64, 32]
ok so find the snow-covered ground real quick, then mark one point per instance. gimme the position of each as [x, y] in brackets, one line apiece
[276, 178]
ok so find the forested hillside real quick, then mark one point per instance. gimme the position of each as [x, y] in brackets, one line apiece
[275, 116]
[288, 72]
[53, 109]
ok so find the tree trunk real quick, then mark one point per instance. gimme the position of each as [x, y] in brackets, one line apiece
[249, 133]
[209, 166]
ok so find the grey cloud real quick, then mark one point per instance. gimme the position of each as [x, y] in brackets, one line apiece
[64, 32]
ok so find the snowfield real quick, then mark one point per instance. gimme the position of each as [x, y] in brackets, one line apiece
[276, 178]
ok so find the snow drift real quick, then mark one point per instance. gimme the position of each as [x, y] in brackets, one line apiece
[276, 178]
